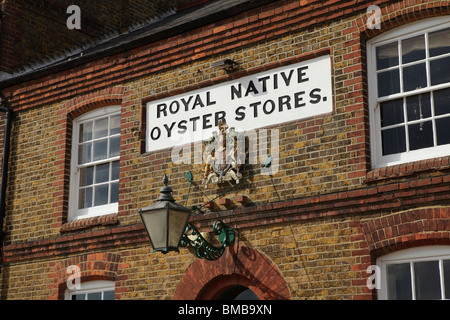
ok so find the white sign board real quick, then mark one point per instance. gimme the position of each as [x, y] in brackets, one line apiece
[293, 92]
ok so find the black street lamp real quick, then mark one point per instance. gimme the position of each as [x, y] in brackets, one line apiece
[167, 225]
[165, 221]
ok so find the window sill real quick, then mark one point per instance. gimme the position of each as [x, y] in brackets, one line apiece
[407, 169]
[109, 219]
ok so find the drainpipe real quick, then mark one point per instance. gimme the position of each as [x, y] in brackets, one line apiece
[5, 165]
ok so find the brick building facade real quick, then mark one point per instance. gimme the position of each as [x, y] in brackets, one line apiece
[351, 190]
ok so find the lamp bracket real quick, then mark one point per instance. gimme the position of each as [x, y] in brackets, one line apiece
[202, 248]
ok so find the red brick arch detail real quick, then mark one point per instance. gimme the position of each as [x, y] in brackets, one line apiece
[95, 266]
[80, 105]
[399, 14]
[239, 265]
[402, 230]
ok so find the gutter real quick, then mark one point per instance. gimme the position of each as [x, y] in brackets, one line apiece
[5, 166]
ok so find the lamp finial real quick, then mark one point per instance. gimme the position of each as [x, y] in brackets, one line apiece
[166, 191]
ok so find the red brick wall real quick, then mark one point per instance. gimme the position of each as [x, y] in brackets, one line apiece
[100, 266]
[407, 229]
[206, 280]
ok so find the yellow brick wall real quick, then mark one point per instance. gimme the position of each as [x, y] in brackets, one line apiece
[314, 257]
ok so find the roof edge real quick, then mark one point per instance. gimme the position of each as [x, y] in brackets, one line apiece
[165, 28]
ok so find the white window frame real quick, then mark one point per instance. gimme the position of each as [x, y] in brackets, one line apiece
[407, 31]
[90, 287]
[411, 255]
[74, 212]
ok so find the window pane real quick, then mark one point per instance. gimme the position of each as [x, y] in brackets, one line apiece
[420, 135]
[115, 125]
[443, 131]
[387, 56]
[427, 280]
[446, 264]
[100, 149]
[388, 83]
[84, 153]
[79, 296]
[394, 141]
[85, 131]
[94, 296]
[413, 49]
[439, 71]
[398, 278]
[391, 112]
[414, 77]
[418, 107]
[85, 198]
[114, 146]
[86, 176]
[114, 192]
[101, 128]
[102, 173]
[439, 42]
[101, 195]
[115, 170]
[441, 101]
[108, 295]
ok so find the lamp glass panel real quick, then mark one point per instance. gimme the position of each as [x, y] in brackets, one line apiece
[156, 224]
[177, 225]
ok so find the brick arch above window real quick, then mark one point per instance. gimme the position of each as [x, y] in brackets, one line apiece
[95, 266]
[86, 103]
[239, 265]
[407, 229]
[396, 15]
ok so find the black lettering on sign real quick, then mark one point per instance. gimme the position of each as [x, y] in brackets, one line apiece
[301, 74]
[298, 99]
[268, 106]
[155, 133]
[236, 92]
[284, 101]
[206, 124]
[251, 89]
[186, 103]
[174, 107]
[240, 114]
[182, 128]
[209, 102]
[315, 96]
[263, 80]
[169, 129]
[198, 102]
[220, 115]
[161, 108]
[255, 108]
[194, 123]
[287, 79]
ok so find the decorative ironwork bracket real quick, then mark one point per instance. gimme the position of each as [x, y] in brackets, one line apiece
[202, 248]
